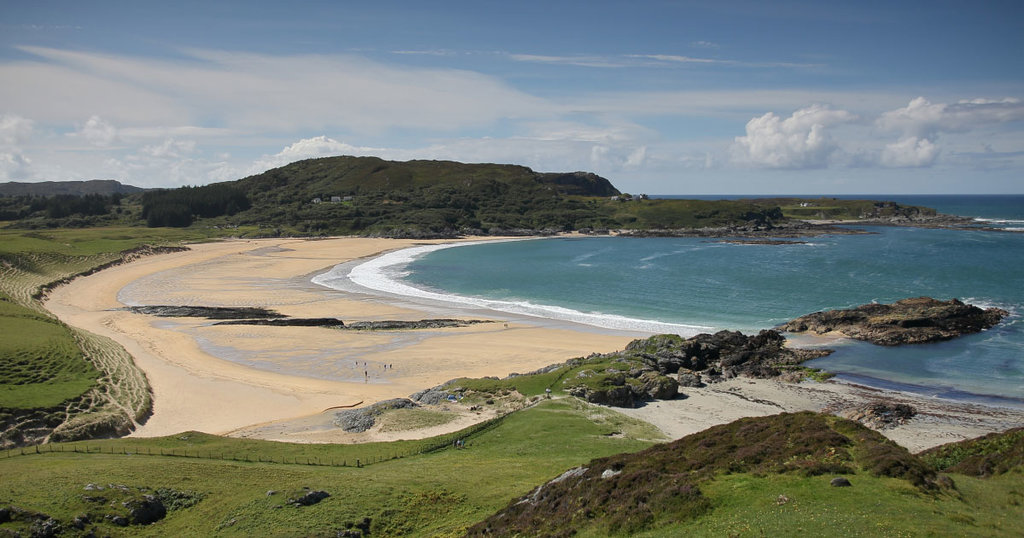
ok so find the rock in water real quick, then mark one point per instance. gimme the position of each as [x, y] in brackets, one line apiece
[909, 321]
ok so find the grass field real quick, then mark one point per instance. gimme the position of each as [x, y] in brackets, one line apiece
[435, 494]
[443, 492]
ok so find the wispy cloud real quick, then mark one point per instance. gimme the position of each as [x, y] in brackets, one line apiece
[289, 92]
[581, 61]
[620, 61]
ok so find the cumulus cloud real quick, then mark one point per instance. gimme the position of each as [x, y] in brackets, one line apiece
[98, 132]
[14, 166]
[921, 122]
[15, 129]
[910, 151]
[306, 148]
[799, 141]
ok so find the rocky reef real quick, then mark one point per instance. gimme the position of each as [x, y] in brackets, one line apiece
[909, 321]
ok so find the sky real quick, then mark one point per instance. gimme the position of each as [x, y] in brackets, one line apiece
[660, 97]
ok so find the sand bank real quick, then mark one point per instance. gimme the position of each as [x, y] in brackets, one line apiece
[217, 379]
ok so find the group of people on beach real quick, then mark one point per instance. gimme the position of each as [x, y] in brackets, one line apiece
[366, 371]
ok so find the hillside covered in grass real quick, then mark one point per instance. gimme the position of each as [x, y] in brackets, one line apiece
[821, 472]
[558, 468]
[371, 196]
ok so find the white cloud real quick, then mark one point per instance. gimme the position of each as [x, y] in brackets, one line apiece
[921, 123]
[15, 129]
[922, 118]
[637, 158]
[799, 141]
[98, 132]
[14, 166]
[910, 151]
[170, 148]
[251, 91]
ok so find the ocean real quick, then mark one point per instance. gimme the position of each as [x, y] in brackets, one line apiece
[692, 285]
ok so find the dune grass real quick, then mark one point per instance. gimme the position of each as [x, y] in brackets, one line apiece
[41, 366]
[53, 378]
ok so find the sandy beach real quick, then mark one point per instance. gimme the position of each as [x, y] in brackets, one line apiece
[276, 382]
[217, 379]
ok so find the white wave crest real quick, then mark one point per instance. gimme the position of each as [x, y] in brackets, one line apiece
[383, 274]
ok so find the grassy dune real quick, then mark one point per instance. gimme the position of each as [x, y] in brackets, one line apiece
[57, 382]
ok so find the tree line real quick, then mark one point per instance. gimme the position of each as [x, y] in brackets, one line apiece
[179, 207]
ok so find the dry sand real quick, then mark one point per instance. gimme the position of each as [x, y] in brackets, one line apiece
[276, 382]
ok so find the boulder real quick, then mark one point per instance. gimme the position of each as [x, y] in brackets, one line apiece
[659, 387]
[309, 498]
[690, 379]
[880, 415]
[145, 510]
[840, 482]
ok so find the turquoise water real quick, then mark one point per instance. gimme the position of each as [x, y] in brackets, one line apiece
[691, 285]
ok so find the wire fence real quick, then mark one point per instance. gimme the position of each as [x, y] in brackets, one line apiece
[366, 456]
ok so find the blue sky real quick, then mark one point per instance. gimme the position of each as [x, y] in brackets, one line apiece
[662, 97]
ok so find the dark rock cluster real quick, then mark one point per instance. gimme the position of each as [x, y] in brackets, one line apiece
[655, 368]
[909, 321]
[880, 415]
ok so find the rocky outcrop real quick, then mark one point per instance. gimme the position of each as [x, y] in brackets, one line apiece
[309, 498]
[332, 323]
[654, 368]
[880, 415]
[360, 420]
[910, 321]
[392, 325]
[208, 312]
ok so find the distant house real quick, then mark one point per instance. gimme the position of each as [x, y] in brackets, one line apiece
[335, 199]
[347, 199]
[317, 200]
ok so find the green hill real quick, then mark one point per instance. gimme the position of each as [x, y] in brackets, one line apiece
[103, 187]
[371, 196]
[628, 493]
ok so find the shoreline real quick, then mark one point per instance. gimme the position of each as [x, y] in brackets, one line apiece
[197, 387]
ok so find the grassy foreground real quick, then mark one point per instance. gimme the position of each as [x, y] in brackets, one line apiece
[434, 494]
[445, 491]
